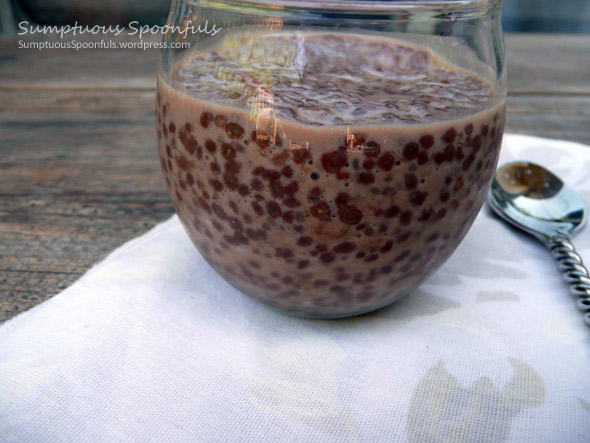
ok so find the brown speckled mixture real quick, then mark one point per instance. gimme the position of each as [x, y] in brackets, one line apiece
[303, 204]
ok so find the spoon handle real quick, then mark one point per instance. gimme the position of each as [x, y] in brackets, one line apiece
[573, 270]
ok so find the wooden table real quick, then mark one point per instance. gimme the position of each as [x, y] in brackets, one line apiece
[79, 173]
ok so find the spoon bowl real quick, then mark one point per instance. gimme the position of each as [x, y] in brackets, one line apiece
[536, 201]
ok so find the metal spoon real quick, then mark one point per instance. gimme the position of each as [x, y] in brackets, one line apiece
[533, 199]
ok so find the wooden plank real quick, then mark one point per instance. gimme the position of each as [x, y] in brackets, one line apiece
[548, 63]
[537, 63]
[561, 117]
[71, 100]
[73, 187]
[23, 69]
[544, 115]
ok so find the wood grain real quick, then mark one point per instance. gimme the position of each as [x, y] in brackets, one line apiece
[79, 173]
[73, 187]
[548, 64]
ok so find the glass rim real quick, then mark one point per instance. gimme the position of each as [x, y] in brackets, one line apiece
[348, 7]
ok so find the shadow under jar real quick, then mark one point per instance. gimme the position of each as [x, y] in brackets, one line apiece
[326, 157]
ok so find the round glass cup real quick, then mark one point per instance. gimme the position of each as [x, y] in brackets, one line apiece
[326, 157]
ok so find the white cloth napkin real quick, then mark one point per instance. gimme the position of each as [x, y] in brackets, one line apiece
[152, 345]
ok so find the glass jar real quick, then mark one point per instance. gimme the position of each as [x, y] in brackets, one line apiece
[326, 157]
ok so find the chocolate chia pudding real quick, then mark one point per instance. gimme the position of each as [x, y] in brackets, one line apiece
[324, 174]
